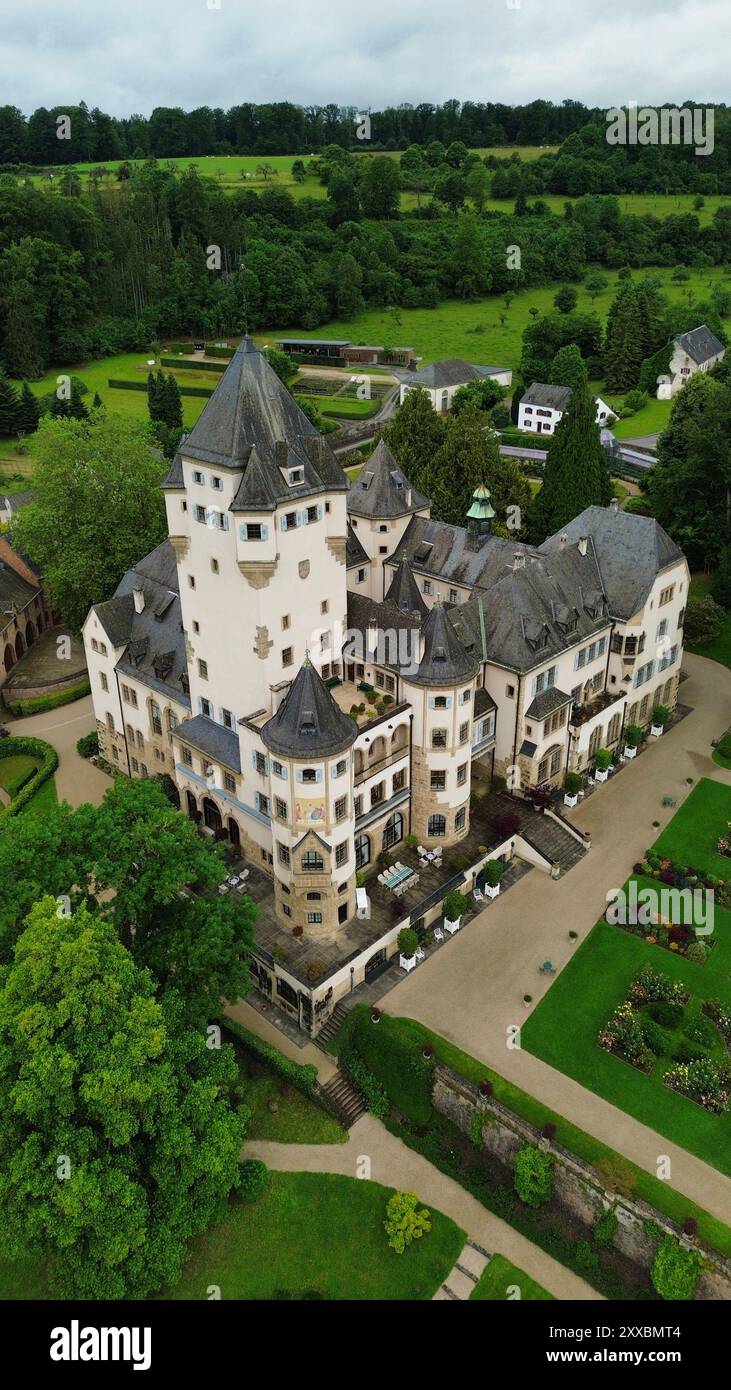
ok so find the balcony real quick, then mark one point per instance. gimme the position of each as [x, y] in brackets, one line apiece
[581, 714]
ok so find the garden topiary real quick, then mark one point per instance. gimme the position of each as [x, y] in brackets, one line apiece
[700, 1030]
[655, 1037]
[533, 1175]
[675, 1271]
[407, 942]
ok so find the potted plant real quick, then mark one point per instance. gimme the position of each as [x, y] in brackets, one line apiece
[602, 764]
[427, 1050]
[527, 1000]
[573, 784]
[492, 873]
[452, 907]
[660, 717]
[375, 1014]
[632, 739]
[408, 943]
[485, 1088]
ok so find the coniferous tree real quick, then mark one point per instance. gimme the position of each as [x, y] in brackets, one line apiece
[469, 456]
[171, 406]
[414, 435]
[97, 402]
[576, 473]
[9, 406]
[155, 394]
[29, 411]
[77, 410]
[568, 368]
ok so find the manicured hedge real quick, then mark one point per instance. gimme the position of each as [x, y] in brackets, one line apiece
[142, 386]
[303, 1076]
[88, 745]
[405, 1075]
[39, 703]
[30, 748]
[192, 365]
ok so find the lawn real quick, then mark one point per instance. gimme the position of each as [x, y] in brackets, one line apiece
[651, 419]
[499, 1276]
[13, 771]
[297, 1120]
[311, 1235]
[587, 992]
[693, 831]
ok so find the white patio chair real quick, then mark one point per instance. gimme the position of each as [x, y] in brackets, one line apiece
[421, 851]
[438, 934]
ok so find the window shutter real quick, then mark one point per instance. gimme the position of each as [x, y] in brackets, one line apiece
[224, 521]
[319, 511]
[301, 518]
[319, 774]
[243, 531]
[265, 533]
[299, 774]
[432, 704]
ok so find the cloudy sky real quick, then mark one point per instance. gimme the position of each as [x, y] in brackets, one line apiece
[136, 54]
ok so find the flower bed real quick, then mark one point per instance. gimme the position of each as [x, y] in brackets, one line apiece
[672, 874]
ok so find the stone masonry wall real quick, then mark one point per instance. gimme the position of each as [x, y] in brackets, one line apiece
[577, 1186]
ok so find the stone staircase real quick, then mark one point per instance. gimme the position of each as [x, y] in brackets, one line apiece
[333, 1025]
[462, 1279]
[553, 841]
[341, 1097]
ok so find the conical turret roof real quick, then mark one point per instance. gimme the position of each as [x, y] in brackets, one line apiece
[404, 591]
[445, 660]
[308, 722]
[382, 488]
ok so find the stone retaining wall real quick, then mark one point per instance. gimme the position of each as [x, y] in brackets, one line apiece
[577, 1186]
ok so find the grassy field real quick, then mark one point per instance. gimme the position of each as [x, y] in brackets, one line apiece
[311, 1235]
[720, 648]
[691, 836]
[499, 1276]
[12, 772]
[297, 1120]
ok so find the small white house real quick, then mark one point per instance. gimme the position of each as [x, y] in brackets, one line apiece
[542, 407]
[442, 379]
[693, 352]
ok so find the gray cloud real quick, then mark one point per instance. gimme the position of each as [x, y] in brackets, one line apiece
[143, 53]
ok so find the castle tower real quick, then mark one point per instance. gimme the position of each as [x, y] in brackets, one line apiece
[309, 741]
[480, 515]
[442, 693]
[381, 503]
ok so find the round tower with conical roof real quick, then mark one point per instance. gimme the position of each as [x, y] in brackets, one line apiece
[441, 691]
[309, 741]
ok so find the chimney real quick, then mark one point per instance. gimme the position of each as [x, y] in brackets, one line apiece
[138, 595]
[563, 541]
[519, 560]
[614, 505]
[408, 496]
[583, 542]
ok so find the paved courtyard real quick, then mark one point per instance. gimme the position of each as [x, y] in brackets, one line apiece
[76, 779]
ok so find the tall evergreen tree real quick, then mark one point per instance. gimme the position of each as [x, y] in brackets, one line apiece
[29, 411]
[636, 327]
[414, 435]
[469, 456]
[171, 406]
[77, 409]
[568, 368]
[9, 406]
[576, 473]
[155, 388]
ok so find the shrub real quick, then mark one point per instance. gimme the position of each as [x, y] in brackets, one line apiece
[660, 716]
[703, 619]
[606, 1228]
[533, 1175]
[655, 1037]
[407, 942]
[702, 1080]
[453, 905]
[689, 1052]
[587, 1260]
[700, 1030]
[369, 1086]
[253, 1179]
[549, 1130]
[301, 1075]
[675, 1271]
[404, 1223]
[690, 1226]
[698, 952]
[40, 703]
[651, 986]
[88, 745]
[573, 783]
[633, 735]
[668, 1015]
[602, 759]
[492, 872]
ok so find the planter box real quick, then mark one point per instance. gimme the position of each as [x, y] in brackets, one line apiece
[452, 927]
[630, 752]
[656, 730]
[407, 963]
[570, 800]
[601, 775]
[491, 891]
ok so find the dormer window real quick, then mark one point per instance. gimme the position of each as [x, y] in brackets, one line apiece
[197, 476]
[307, 722]
[295, 476]
[366, 480]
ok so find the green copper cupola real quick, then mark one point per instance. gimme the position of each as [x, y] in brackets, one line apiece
[481, 512]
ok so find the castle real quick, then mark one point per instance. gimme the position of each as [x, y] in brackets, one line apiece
[328, 674]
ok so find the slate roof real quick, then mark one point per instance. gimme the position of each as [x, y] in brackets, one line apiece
[545, 703]
[214, 740]
[700, 344]
[154, 646]
[354, 552]
[631, 550]
[542, 394]
[253, 424]
[399, 653]
[450, 371]
[527, 748]
[404, 592]
[483, 701]
[308, 721]
[14, 501]
[382, 488]
[15, 591]
[445, 660]
[174, 480]
[447, 552]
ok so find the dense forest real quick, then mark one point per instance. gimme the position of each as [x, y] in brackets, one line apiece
[166, 253]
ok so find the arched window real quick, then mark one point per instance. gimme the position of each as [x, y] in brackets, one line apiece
[614, 727]
[437, 825]
[110, 723]
[192, 804]
[445, 400]
[155, 719]
[312, 861]
[393, 831]
[173, 721]
[595, 742]
[550, 763]
[362, 851]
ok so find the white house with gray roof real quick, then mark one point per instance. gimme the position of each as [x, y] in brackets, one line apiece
[543, 406]
[327, 671]
[441, 380]
[696, 351]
